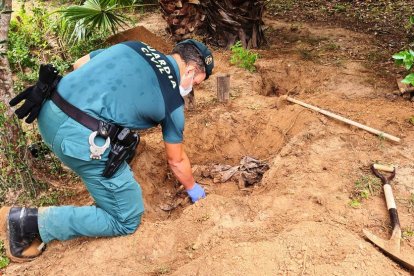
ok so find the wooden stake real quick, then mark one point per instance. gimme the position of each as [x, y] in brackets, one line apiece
[223, 87]
[345, 120]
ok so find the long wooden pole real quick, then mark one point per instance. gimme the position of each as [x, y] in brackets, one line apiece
[345, 120]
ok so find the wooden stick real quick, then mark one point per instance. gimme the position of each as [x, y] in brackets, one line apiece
[345, 120]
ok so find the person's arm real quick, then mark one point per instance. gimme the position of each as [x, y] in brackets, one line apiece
[180, 164]
[81, 61]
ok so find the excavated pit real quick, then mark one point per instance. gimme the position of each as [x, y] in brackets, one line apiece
[221, 136]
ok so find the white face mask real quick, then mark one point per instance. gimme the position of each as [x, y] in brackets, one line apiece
[185, 91]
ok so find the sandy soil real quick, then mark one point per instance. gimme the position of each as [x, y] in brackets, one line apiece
[297, 221]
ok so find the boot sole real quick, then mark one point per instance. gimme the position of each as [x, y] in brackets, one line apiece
[4, 234]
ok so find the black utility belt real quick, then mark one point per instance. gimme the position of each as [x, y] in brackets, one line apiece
[122, 140]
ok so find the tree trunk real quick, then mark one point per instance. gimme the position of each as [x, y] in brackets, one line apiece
[183, 17]
[231, 20]
[15, 173]
[223, 21]
[6, 86]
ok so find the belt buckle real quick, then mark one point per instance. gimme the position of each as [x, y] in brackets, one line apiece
[106, 129]
[97, 151]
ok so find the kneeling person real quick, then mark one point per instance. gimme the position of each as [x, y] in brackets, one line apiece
[82, 116]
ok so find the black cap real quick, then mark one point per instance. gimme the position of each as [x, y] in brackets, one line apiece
[204, 52]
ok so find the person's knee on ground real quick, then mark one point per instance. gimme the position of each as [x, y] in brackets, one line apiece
[127, 225]
[130, 226]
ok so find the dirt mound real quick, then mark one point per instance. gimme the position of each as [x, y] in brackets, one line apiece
[141, 33]
[298, 219]
[306, 248]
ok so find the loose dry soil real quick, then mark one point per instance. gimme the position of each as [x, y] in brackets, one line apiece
[298, 219]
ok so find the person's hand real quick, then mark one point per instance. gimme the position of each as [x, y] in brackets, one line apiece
[34, 95]
[196, 193]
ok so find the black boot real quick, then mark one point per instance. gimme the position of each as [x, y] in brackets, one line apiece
[23, 234]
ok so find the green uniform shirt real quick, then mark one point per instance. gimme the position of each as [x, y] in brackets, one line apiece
[117, 85]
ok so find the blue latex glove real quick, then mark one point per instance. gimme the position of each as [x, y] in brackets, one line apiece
[196, 193]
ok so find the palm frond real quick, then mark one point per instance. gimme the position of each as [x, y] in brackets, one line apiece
[93, 15]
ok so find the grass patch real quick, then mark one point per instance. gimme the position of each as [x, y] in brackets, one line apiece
[4, 261]
[307, 54]
[407, 233]
[381, 137]
[280, 6]
[340, 8]
[355, 203]
[364, 187]
[47, 197]
[53, 198]
[331, 47]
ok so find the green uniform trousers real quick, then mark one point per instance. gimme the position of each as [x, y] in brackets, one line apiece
[118, 200]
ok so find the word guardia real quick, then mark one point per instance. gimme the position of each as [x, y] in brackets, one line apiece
[160, 62]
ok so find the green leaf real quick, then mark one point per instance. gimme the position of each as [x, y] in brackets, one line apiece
[355, 203]
[242, 57]
[400, 55]
[4, 261]
[405, 58]
[412, 19]
[94, 15]
[399, 62]
[409, 79]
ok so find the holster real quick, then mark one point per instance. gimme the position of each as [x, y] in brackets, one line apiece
[123, 140]
[123, 149]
